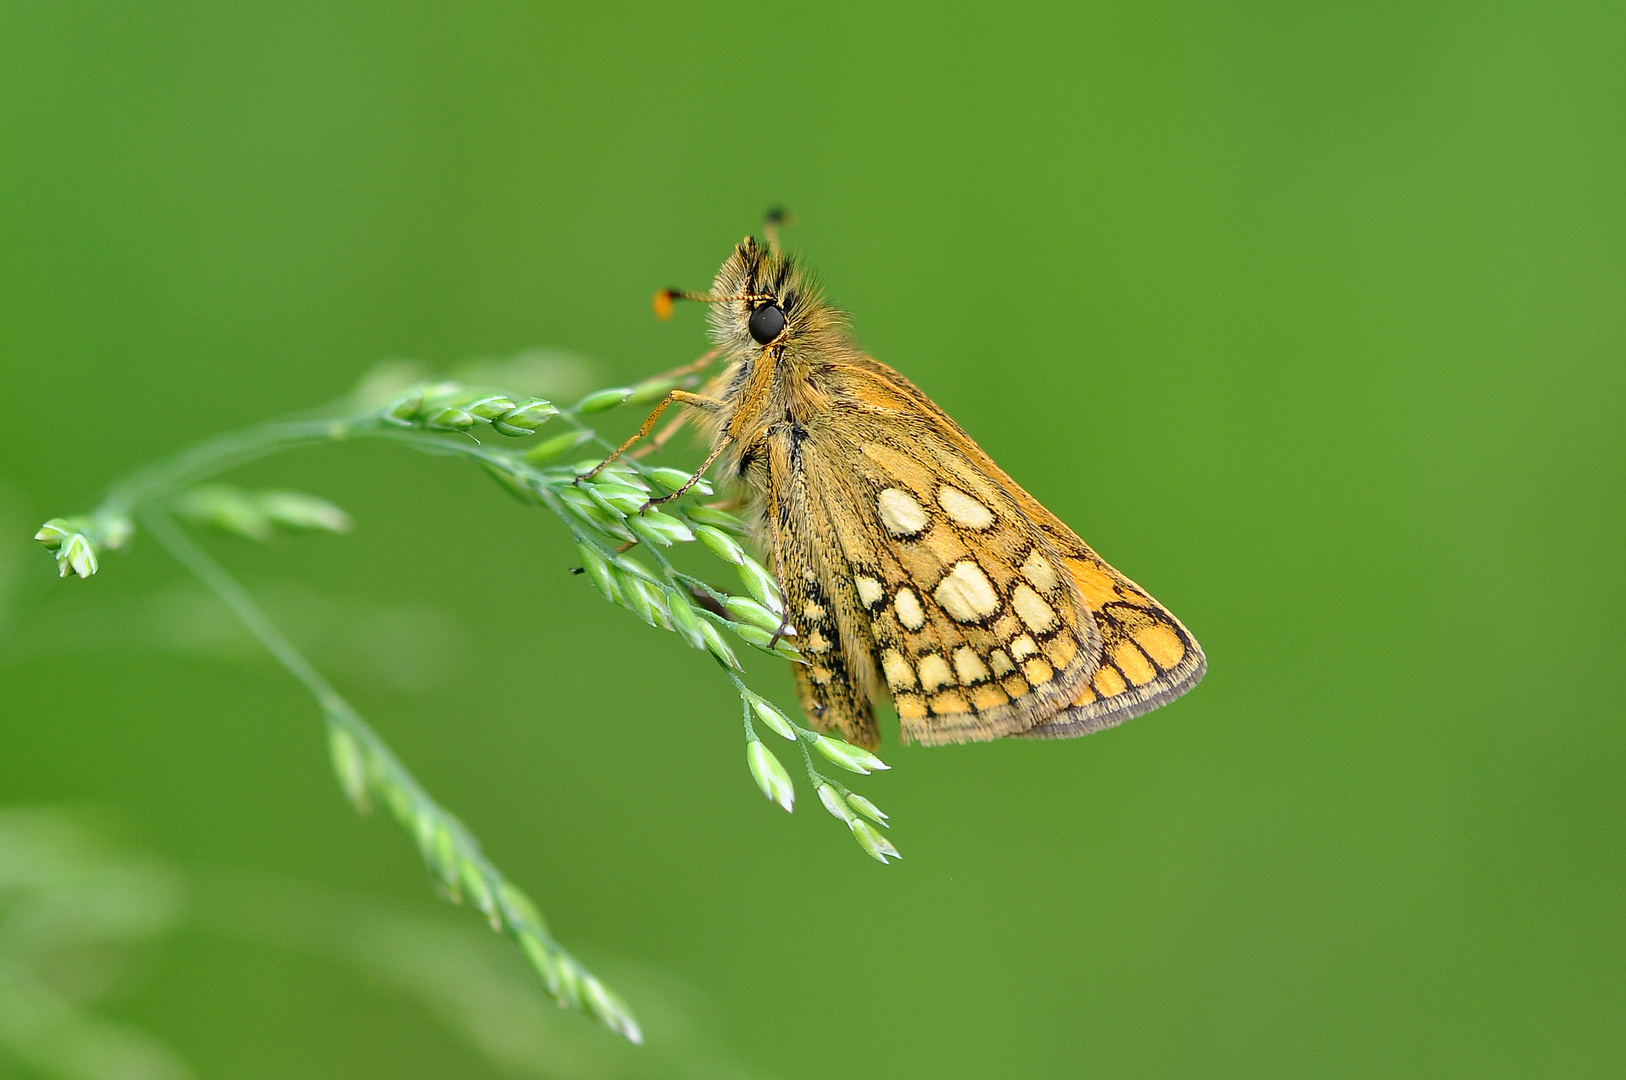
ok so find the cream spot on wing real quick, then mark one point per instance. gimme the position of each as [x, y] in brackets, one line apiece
[969, 666]
[908, 607]
[899, 675]
[1023, 647]
[1002, 663]
[1039, 572]
[1039, 615]
[963, 509]
[902, 516]
[817, 642]
[966, 593]
[870, 591]
[934, 672]
[813, 611]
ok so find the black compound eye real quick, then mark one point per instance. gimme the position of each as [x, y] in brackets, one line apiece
[766, 323]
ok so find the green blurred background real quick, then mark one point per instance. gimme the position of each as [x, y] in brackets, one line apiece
[1307, 317]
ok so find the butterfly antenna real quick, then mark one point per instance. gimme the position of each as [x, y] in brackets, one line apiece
[664, 298]
[771, 221]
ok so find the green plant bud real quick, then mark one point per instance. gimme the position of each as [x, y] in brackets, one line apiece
[489, 408]
[78, 556]
[599, 573]
[833, 802]
[541, 958]
[660, 529]
[478, 890]
[602, 400]
[684, 620]
[548, 449]
[404, 409]
[399, 802]
[724, 545]
[622, 497]
[760, 584]
[744, 609]
[445, 858]
[525, 419]
[868, 809]
[54, 532]
[570, 993]
[717, 646]
[721, 519]
[772, 717]
[848, 756]
[225, 507]
[757, 636]
[579, 503]
[349, 765]
[770, 776]
[451, 419]
[621, 472]
[652, 390]
[517, 908]
[611, 1009]
[873, 842]
[301, 511]
[635, 598]
[673, 479]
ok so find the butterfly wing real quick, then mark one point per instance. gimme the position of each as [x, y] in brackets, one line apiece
[1147, 657]
[910, 567]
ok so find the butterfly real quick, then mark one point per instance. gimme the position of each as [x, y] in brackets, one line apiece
[912, 566]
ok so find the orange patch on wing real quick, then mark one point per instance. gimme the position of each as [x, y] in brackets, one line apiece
[909, 706]
[987, 696]
[1136, 668]
[949, 701]
[1093, 582]
[1038, 671]
[1014, 685]
[1162, 644]
[1085, 697]
[1108, 681]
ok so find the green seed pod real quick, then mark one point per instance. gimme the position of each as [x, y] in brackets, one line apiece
[684, 620]
[404, 409]
[717, 646]
[833, 802]
[760, 584]
[537, 952]
[777, 721]
[602, 400]
[300, 511]
[770, 775]
[757, 636]
[489, 408]
[349, 765]
[599, 573]
[722, 519]
[548, 449]
[873, 842]
[525, 419]
[724, 545]
[451, 419]
[746, 610]
[867, 808]
[854, 758]
[623, 497]
[658, 528]
[54, 532]
[651, 390]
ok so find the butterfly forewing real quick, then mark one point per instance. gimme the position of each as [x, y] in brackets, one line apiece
[939, 584]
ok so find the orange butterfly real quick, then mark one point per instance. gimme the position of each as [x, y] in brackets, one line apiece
[912, 566]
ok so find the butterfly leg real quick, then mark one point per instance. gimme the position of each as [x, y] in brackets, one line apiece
[683, 397]
[722, 444]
